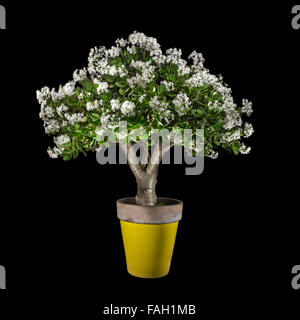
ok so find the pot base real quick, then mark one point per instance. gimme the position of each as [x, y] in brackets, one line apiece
[148, 248]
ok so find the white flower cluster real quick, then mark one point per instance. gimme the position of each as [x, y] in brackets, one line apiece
[127, 108]
[62, 108]
[115, 104]
[90, 106]
[248, 130]
[102, 86]
[147, 43]
[198, 60]
[57, 150]
[231, 136]
[203, 77]
[54, 152]
[247, 107]
[99, 63]
[244, 149]
[181, 103]
[121, 43]
[61, 139]
[174, 56]
[162, 108]
[169, 85]
[51, 126]
[75, 118]
[142, 98]
[43, 95]
[69, 88]
[80, 75]
[108, 121]
[212, 154]
[113, 52]
[144, 75]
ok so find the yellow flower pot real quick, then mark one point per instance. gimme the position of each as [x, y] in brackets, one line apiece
[149, 235]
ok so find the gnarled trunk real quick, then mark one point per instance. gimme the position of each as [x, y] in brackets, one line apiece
[146, 195]
[146, 176]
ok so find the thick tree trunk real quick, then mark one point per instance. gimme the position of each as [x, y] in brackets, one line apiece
[146, 195]
[146, 177]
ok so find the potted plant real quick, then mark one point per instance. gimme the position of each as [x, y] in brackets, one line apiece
[135, 82]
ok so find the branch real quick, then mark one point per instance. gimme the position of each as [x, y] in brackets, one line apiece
[133, 162]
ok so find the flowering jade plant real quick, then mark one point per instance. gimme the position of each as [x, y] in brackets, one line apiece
[134, 81]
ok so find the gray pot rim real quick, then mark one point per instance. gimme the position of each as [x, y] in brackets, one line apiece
[128, 210]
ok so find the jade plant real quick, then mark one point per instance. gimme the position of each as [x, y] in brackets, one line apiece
[134, 81]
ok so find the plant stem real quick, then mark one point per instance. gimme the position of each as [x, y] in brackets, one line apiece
[146, 176]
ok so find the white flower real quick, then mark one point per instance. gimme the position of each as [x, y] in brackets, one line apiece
[232, 119]
[127, 108]
[162, 108]
[212, 154]
[108, 121]
[64, 123]
[248, 130]
[102, 86]
[160, 59]
[131, 50]
[54, 153]
[61, 139]
[247, 107]
[51, 126]
[43, 95]
[216, 105]
[99, 131]
[75, 118]
[69, 88]
[181, 103]
[198, 60]
[154, 102]
[115, 104]
[56, 96]
[80, 75]
[244, 149]
[62, 108]
[112, 70]
[168, 84]
[122, 71]
[144, 75]
[93, 105]
[183, 70]
[148, 43]
[141, 98]
[48, 112]
[231, 136]
[121, 43]
[113, 52]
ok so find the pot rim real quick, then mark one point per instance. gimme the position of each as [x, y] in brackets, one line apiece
[159, 199]
[128, 210]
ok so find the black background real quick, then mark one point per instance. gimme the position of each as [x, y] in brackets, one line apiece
[238, 240]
